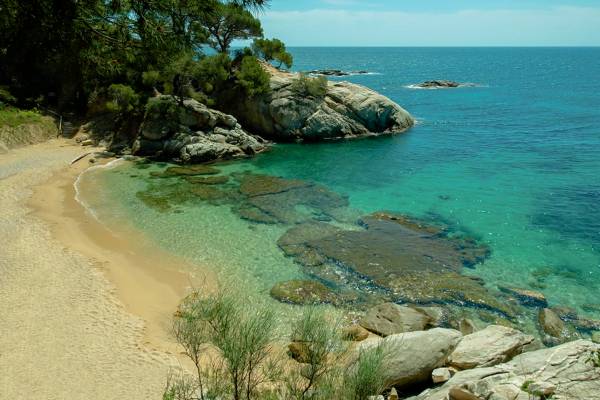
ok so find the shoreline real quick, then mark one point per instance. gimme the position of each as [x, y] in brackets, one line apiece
[85, 313]
[149, 282]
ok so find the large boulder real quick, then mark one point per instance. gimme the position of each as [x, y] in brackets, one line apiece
[563, 372]
[190, 132]
[346, 110]
[411, 357]
[389, 318]
[490, 346]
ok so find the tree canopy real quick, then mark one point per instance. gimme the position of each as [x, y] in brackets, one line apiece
[68, 53]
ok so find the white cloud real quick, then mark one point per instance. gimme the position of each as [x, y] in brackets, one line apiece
[557, 26]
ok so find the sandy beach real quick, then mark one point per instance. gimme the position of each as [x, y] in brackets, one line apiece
[84, 314]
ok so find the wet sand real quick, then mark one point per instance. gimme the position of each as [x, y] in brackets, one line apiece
[84, 313]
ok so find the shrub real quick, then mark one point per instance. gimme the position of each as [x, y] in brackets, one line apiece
[251, 77]
[273, 50]
[366, 378]
[123, 99]
[6, 98]
[305, 85]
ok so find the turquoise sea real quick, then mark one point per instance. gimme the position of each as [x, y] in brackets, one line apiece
[513, 160]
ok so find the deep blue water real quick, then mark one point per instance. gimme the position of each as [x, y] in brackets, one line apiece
[514, 160]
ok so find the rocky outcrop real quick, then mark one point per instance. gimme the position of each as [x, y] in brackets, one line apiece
[336, 72]
[411, 357]
[193, 133]
[345, 110]
[490, 346]
[437, 84]
[562, 372]
[389, 318]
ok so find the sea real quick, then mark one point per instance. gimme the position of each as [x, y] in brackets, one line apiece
[512, 158]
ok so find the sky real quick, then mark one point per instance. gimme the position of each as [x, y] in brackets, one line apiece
[434, 22]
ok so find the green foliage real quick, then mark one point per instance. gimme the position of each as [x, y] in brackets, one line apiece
[228, 22]
[305, 85]
[213, 72]
[6, 98]
[273, 50]
[66, 51]
[323, 347]
[13, 117]
[594, 358]
[123, 99]
[252, 77]
[242, 335]
[366, 378]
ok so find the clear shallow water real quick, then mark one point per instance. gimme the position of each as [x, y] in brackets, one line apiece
[514, 161]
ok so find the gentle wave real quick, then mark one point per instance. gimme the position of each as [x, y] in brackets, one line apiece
[76, 184]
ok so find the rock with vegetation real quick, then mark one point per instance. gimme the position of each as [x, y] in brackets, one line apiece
[412, 357]
[389, 318]
[563, 372]
[299, 107]
[490, 346]
[190, 132]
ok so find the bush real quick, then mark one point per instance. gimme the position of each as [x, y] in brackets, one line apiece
[123, 99]
[213, 72]
[6, 98]
[305, 85]
[252, 77]
[366, 378]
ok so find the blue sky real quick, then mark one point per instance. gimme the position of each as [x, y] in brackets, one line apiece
[434, 22]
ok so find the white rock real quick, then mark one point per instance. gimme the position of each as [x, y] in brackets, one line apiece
[412, 356]
[490, 346]
[440, 375]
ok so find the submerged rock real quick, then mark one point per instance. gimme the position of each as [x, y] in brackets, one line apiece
[551, 324]
[527, 297]
[411, 262]
[211, 180]
[271, 199]
[303, 292]
[487, 347]
[191, 132]
[345, 110]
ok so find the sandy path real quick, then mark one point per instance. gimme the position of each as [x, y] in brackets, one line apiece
[64, 334]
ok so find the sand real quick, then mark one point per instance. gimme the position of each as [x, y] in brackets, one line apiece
[84, 313]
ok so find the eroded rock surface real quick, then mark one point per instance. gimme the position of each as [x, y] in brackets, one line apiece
[193, 133]
[487, 347]
[562, 372]
[346, 110]
[412, 357]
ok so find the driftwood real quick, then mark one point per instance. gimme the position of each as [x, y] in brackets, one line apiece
[80, 157]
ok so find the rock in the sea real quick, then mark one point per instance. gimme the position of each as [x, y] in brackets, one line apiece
[346, 110]
[527, 297]
[411, 357]
[550, 322]
[412, 262]
[435, 84]
[303, 292]
[211, 180]
[562, 372]
[490, 346]
[271, 198]
[389, 318]
[192, 133]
